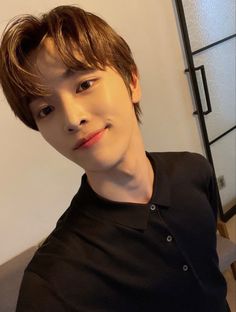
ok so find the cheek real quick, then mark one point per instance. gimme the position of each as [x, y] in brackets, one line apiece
[112, 100]
[51, 137]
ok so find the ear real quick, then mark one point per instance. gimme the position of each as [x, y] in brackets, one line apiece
[135, 88]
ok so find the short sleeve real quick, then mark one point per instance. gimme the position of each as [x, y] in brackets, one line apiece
[209, 182]
[36, 296]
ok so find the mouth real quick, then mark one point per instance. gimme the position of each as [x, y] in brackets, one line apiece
[90, 139]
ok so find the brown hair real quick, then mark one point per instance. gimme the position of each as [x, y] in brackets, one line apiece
[72, 29]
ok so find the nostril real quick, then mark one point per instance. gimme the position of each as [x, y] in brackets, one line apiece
[83, 121]
[76, 125]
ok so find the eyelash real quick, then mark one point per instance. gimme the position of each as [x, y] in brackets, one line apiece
[86, 81]
[76, 91]
[45, 108]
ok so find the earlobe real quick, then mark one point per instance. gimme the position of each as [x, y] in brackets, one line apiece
[135, 89]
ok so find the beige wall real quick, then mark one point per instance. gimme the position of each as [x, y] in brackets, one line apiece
[36, 183]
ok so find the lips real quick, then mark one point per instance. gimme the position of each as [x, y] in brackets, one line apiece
[88, 138]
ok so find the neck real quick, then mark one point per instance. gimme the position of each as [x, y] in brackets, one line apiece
[130, 181]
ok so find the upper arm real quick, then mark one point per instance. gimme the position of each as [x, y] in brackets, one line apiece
[210, 183]
[213, 194]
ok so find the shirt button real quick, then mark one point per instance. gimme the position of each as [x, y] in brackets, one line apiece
[153, 207]
[185, 268]
[169, 238]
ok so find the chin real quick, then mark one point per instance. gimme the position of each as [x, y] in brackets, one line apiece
[100, 161]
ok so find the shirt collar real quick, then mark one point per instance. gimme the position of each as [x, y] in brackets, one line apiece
[132, 215]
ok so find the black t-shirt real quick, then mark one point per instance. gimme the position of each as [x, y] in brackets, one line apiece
[117, 256]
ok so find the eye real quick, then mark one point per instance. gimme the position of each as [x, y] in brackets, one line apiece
[84, 86]
[45, 111]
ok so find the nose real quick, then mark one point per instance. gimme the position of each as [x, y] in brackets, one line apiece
[74, 127]
[74, 115]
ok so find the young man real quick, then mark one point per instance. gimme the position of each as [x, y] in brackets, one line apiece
[139, 235]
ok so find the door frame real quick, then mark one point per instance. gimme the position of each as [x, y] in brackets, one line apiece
[224, 216]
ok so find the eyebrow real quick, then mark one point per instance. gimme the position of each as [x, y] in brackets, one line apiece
[69, 72]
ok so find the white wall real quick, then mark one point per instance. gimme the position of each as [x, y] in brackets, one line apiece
[36, 182]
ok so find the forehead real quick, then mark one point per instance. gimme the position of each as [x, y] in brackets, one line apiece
[46, 61]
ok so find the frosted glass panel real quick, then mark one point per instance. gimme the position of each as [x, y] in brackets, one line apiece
[209, 20]
[224, 155]
[220, 67]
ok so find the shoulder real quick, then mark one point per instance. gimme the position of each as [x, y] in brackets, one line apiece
[63, 248]
[177, 158]
[184, 164]
[49, 253]
[52, 265]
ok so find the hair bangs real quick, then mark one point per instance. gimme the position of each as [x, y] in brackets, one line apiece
[83, 41]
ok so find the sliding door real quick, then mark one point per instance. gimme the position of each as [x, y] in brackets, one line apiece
[208, 29]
